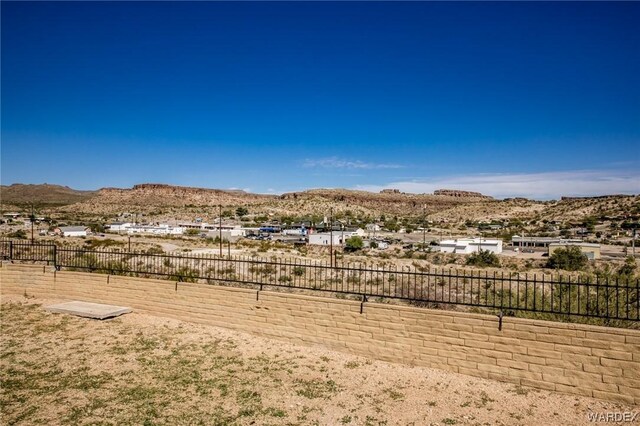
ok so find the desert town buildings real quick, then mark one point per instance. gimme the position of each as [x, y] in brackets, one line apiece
[72, 231]
[470, 245]
[532, 242]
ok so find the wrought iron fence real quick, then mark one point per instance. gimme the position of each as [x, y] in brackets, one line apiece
[606, 297]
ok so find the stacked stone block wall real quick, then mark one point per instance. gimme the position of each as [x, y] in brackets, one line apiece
[592, 361]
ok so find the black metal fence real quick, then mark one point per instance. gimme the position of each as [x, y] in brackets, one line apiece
[607, 297]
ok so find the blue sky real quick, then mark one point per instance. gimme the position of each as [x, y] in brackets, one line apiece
[513, 99]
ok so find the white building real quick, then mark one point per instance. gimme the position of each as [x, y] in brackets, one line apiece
[216, 226]
[73, 231]
[373, 227]
[359, 232]
[161, 229]
[324, 238]
[519, 241]
[471, 245]
[192, 225]
[228, 234]
[119, 226]
[295, 231]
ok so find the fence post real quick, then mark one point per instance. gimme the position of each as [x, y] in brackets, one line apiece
[11, 250]
[55, 256]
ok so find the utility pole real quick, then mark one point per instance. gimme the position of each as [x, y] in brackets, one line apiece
[220, 227]
[331, 237]
[341, 238]
[33, 218]
[424, 230]
[633, 241]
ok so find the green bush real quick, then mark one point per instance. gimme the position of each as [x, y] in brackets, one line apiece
[156, 249]
[483, 258]
[570, 258]
[629, 267]
[93, 244]
[185, 274]
[20, 234]
[354, 243]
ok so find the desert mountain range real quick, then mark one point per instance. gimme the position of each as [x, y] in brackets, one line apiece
[452, 205]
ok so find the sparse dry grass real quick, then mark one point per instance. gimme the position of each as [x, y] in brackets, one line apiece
[139, 369]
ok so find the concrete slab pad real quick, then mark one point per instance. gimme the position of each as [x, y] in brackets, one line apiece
[88, 309]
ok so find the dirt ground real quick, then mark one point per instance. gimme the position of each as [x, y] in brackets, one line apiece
[141, 369]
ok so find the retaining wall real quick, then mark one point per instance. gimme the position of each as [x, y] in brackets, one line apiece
[593, 361]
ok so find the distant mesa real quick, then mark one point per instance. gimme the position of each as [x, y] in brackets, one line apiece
[596, 197]
[459, 193]
[390, 191]
[186, 194]
[175, 189]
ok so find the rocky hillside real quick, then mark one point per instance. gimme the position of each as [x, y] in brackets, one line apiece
[42, 195]
[177, 202]
[386, 202]
[150, 198]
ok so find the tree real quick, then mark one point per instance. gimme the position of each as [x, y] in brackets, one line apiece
[483, 258]
[242, 211]
[97, 228]
[354, 243]
[570, 258]
[391, 225]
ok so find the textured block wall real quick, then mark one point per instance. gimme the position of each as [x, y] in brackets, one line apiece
[586, 360]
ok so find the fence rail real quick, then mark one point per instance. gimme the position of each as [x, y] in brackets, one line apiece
[594, 296]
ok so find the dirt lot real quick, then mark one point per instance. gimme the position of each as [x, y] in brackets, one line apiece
[140, 369]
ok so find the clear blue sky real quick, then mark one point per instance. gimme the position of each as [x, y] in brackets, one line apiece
[533, 99]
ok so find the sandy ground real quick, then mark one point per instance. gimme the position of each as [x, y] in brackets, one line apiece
[141, 369]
